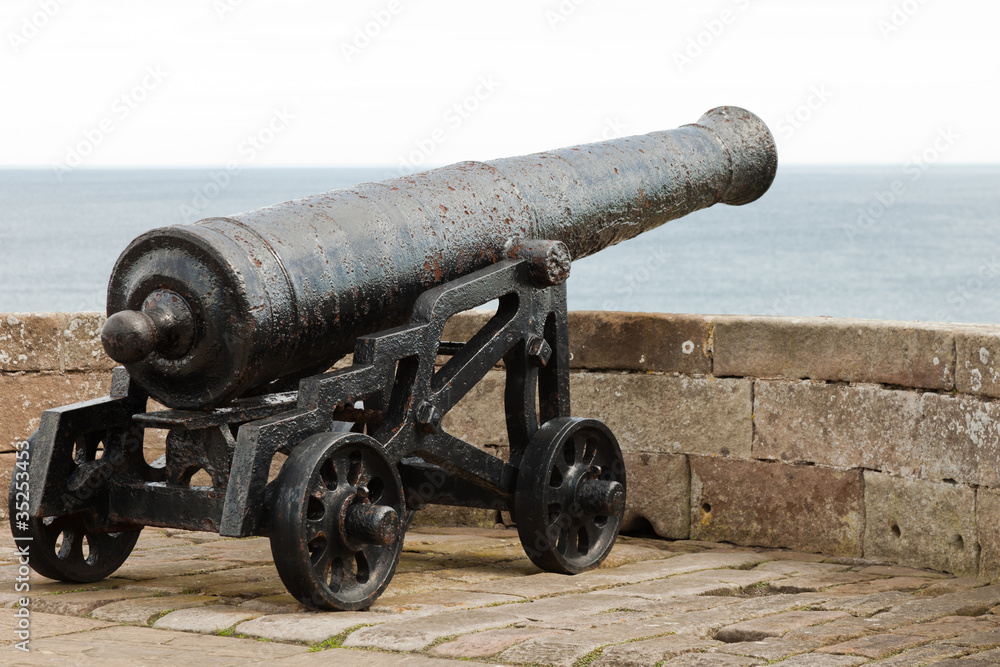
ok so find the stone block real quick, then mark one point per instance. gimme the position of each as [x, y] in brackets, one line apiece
[847, 350]
[659, 491]
[204, 620]
[977, 360]
[480, 418]
[960, 440]
[7, 461]
[446, 515]
[987, 520]
[920, 523]
[81, 343]
[600, 340]
[26, 395]
[807, 508]
[858, 426]
[668, 413]
[30, 341]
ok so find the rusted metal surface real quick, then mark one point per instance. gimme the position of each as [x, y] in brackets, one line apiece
[223, 307]
[243, 310]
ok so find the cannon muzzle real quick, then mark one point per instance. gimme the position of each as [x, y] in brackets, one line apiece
[205, 313]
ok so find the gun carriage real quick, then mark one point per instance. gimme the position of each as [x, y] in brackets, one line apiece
[233, 323]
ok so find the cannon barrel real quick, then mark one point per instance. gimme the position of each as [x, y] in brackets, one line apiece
[204, 313]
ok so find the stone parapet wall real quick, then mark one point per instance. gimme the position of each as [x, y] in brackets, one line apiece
[856, 438]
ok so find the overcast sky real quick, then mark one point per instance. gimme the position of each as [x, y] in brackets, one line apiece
[429, 82]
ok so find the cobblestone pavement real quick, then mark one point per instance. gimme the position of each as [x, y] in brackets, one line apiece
[472, 594]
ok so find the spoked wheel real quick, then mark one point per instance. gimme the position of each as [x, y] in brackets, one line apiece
[570, 495]
[336, 528]
[67, 548]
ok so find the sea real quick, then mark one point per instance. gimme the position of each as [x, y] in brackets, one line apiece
[883, 242]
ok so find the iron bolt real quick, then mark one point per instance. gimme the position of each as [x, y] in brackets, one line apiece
[428, 417]
[539, 351]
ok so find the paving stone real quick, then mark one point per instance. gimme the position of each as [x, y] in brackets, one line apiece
[891, 570]
[136, 569]
[30, 341]
[981, 639]
[203, 620]
[947, 626]
[417, 634]
[834, 632]
[776, 625]
[659, 491]
[977, 353]
[873, 586]
[857, 426]
[705, 623]
[43, 625]
[490, 642]
[711, 660]
[875, 646]
[274, 604]
[833, 582]
[770, 649]
[922, 655]
[821, 660]
[339, 656]
[541, 585]
[143, 610]
[950, 585]
[651, 651]
[117, 646]
[777, 505]
[707, 582]
[795, 568]
[866, 605]
[919, 610]
[212, 582]
[441, 600]
[83, 602]
[920, 524]
[307, 628]
[567, 649]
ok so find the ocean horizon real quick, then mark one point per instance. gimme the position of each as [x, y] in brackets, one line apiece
[870, 241]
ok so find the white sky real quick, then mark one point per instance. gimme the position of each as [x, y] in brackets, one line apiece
[605, 67]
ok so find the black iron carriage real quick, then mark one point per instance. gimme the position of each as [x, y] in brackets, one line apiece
[233, 322]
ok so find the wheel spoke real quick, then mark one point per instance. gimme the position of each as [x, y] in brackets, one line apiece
[314, 529]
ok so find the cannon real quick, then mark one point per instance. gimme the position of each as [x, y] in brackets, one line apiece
[234, 325]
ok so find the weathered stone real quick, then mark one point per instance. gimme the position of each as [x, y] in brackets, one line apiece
[777, 505]
[920, 610]
[987, 520]
[858, 426]
[651, 651]
[821, 660]
[308, 628]
[776, 625]
[659, 491]
[667, 413]
[846, 350]
[142, 610]
[928, 654]
[30, 341]
[875, 646]
[204, 620]
[490, 642]
[921, 524]
[601, 340]
[711, 660]
[26, 395]
[416, 634]
[977, 351]
[960, 440]
[446, 515]
[42, 625]
[480, 418]
[126, 646]
[82, 349]
[980, 639]
[875, 586]
[948, 626]
[82, 603]
[706, 582]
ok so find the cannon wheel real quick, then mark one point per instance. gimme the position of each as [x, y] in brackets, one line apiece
[570, 495]
[58, 544]
[336, 520]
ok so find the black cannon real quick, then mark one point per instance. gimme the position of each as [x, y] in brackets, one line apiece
[234, 323]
